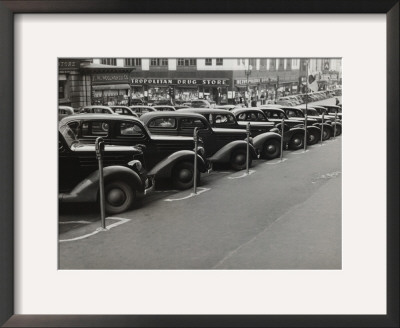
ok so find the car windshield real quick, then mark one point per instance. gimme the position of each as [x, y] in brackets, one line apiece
[294, 113]
[69, 136]
[199, 104]
[312, 112]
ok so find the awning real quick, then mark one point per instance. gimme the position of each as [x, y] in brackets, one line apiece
[111, 87]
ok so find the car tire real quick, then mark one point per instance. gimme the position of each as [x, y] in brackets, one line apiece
[338, 130]
[119, 197]
[296, 141]
[238, 159]
[327, 134]
[313, 137]
[271, 149]
[183, 174]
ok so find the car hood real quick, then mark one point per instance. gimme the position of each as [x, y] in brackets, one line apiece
[229, 131]
[107, 148]
[177, 138]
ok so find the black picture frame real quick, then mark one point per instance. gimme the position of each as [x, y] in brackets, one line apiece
[7, 11]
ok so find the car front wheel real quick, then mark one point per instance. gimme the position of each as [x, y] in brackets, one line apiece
[119, 197]
[296, 142]
[271, 149]
[238, 159]
[183, 175]
[312, 137]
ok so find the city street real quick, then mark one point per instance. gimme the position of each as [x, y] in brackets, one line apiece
[283, 215]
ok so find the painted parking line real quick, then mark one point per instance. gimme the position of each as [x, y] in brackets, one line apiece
[109, 227]
[327, 176]
[276, 161]
[243, 175]
[299, 152]
[199, 191]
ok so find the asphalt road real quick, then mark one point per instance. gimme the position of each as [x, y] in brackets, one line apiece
[284, 215]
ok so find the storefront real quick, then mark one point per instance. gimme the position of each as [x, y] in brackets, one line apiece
[110, 89]
[180, 90]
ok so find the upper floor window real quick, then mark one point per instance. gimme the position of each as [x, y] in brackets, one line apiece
[208, 61]
[133, 61]
[252, 62]
[187, 62]
[281, 64]
[263, 62]
[288, 64]
[109, 61]
[220, 61]
[272, 64]
[159, 62]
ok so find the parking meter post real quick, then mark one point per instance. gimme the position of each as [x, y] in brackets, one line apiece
[282, 128]
[322, 128]
[99, 145]
[334, 128]
[305, 132]
[248, 147]
[195, 137]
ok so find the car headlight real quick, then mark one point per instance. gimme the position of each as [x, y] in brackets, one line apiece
[136, 164]
[201, 151]
[328, 122]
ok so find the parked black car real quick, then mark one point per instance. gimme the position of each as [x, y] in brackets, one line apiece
[314, 113]
[164, 156]
[125, 179]
[123, 110]
[266, 139]
[221, 145]
[277, 114]
[297, 113]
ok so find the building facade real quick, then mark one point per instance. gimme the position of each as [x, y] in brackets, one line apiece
[110, 81]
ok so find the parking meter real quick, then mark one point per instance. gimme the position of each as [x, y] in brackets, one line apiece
[99, 146]
[196, 139]
[322, 127]
[282, 131]
[305, 132]
[247, 147]
[334, 132]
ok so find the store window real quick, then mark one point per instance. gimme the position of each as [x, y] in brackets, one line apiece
[109, 61]
[133, 62]
[220, 61]
[281, 64]
[208, 61]
[159, 62]
[61, 89]
[187, 62]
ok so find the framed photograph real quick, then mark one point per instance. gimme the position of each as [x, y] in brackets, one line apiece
[300, 243]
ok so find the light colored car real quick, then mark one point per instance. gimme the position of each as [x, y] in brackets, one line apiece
[96, 109]
[64, 111]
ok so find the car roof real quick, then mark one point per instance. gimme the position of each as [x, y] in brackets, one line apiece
[150, 115]
[204, 110]
[96, 106]
[141, 106]
[245, 109]
[100, 117]
[273, 108]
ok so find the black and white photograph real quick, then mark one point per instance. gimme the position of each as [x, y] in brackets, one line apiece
[200, 163]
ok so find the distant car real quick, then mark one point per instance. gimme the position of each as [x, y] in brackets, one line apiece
[162, 108]
[123, 110]
[266, 140]
[226, 107]
[169, 157]
[221, 146]
[140, 110]
[298, 114]
[78, 177]
[137, 101]
[313, 113]
[277, 114]
[64, 111]
[334, 109]
[177, 107]
[161, 102]
[200, 103]
[293, 135]
[96, 109]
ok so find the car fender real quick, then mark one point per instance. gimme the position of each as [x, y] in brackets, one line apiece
[289, 134]
[163, 169]
[223, 155]
[326, 126]
[88, 189]
[259, 140]
[313, 128]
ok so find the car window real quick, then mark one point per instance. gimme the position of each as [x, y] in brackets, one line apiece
[224, 119]
[260, 117]
[95, 128]
[74, 127]
[163, 122]
[191, 123]
[131, 129]
[119, 110]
